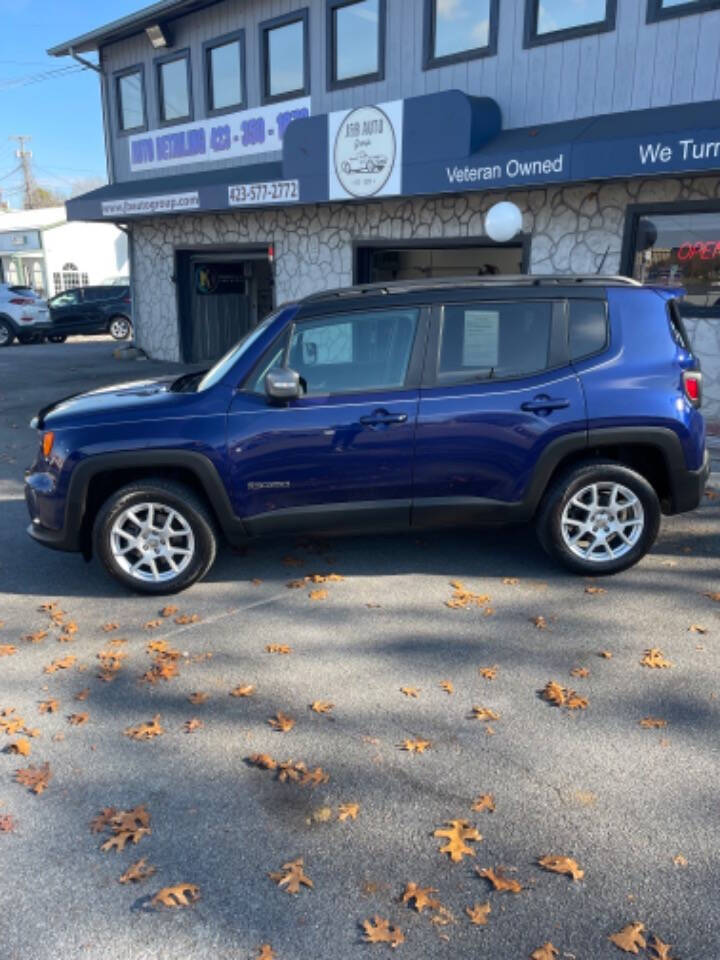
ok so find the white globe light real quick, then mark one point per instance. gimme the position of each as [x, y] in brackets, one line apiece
[503, 221]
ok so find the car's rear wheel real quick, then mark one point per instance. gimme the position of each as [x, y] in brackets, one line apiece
[599, 518]
[7, 334]
[119, 328]
[155, 536]
[57, 338]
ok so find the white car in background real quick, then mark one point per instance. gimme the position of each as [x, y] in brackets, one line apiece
[23, 315]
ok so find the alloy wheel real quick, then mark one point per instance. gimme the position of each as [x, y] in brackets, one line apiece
[119, 329]
[152, 542]
[602, 522]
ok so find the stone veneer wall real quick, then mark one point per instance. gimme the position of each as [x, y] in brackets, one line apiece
[574, 229]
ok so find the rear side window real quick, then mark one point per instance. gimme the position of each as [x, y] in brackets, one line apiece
[588, 327]
[486, 340]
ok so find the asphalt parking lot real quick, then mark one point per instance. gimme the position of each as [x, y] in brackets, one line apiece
[635, 807]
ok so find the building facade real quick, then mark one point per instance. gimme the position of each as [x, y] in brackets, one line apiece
[261, 150]
[42, 250]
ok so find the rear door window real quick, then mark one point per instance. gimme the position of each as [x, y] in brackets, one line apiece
[495, 340]
[588, 332]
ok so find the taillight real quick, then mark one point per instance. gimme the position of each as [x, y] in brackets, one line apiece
[692, 385]
[126, 300]
[48, 439]
[23, 302]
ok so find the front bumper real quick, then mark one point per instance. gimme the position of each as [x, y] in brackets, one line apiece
[46, 508]
[688, 486]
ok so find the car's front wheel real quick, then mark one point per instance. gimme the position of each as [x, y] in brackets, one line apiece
[599, 518]
[155, 536]
[119, 328]
[7, 334]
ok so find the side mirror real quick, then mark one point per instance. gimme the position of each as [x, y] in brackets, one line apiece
[281, 383]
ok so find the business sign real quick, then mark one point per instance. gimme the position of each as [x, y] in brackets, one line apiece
[231, 137]
[258, 194]
[147, 206]
[365, 151]
[11, 241]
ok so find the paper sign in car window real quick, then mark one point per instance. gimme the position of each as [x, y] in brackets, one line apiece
[482, 336]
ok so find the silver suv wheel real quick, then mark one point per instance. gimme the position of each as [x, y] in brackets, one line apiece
[602, 522]
[119, 328]
[152, 542]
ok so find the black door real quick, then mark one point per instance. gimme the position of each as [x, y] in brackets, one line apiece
[221, 299]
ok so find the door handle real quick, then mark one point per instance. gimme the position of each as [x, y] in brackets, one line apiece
[381, 418]
[544, 404]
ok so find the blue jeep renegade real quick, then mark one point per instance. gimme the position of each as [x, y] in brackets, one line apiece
[568, 401]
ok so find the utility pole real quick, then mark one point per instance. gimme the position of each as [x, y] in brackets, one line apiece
[25, 156]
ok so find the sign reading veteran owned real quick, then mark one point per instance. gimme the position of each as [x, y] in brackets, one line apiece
[237, 135]
[365, 151]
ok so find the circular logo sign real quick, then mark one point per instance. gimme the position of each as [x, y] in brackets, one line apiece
[365, 148]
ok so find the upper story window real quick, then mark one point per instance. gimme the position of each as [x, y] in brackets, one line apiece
[458, 30]
[173, 84]
[549, 20]
[225, 72]
[130, 95]
[284, 56]
[356, 42]
[665, 9]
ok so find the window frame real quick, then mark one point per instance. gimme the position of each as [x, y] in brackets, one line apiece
[431, 62]
[158, 64]
[656, 13]
[117, 77]
[236, 36]
[301, 15]
[531, 38]
[416, 360]
[332, 82]
[558, 347]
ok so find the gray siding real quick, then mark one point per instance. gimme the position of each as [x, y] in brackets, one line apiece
[636, 66]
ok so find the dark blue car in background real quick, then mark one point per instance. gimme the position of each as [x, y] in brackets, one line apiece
[570, 402]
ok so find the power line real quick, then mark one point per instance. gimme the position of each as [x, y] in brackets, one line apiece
[26, 81]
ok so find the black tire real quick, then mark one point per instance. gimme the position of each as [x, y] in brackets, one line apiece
[7, 334]
[118, 324]
[57, 338]
[166, 493]
[574, 481]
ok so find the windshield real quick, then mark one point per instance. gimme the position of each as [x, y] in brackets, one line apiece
[216, 373]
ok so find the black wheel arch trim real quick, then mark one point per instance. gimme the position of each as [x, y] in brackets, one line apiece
[70, 537]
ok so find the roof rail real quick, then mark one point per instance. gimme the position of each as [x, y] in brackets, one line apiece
[525, 280]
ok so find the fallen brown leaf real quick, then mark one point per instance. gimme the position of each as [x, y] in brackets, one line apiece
[278, 648]
[37, 637]
[679, 860]
[348, 811]
[78, 719]
[489, 673]
[580, 672]
[540, 622]
[630, 938]
[291, 878]
[120, 840]
[146, 731]
[713, 596]
[321, 706]
[82, 695]
[35, 779]
[478, 913]
[499, 881]
[697, 628]
[485, 801]
[660, 949]
[483, 713]
[378, 930]
[595, 590]
[415, 746]
[546, 952]
[654, 658]
[318, 594]
[606, 654]
[190, 726]
[653, 723]
[153, 624]
[140, 870]
[20, 746]
[244, 690]
[562, 865]
[266, 953]
[421, 896]
[447, 686]
[7, 823]
[510, 581]
[48, 706]
[109, 627]
[168, 611]
[410, 692]
[457, 832]
[282, 722]
[187, 618]
[7, 650]
[198, 698]
[103, 820]
[63, 664]
[181, 895]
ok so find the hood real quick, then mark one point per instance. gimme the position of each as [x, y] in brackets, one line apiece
[85, 407]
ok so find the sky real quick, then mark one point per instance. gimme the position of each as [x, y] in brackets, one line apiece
[62, 114]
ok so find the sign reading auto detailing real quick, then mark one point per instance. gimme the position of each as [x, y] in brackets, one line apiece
[365, 151]
[237, 135]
